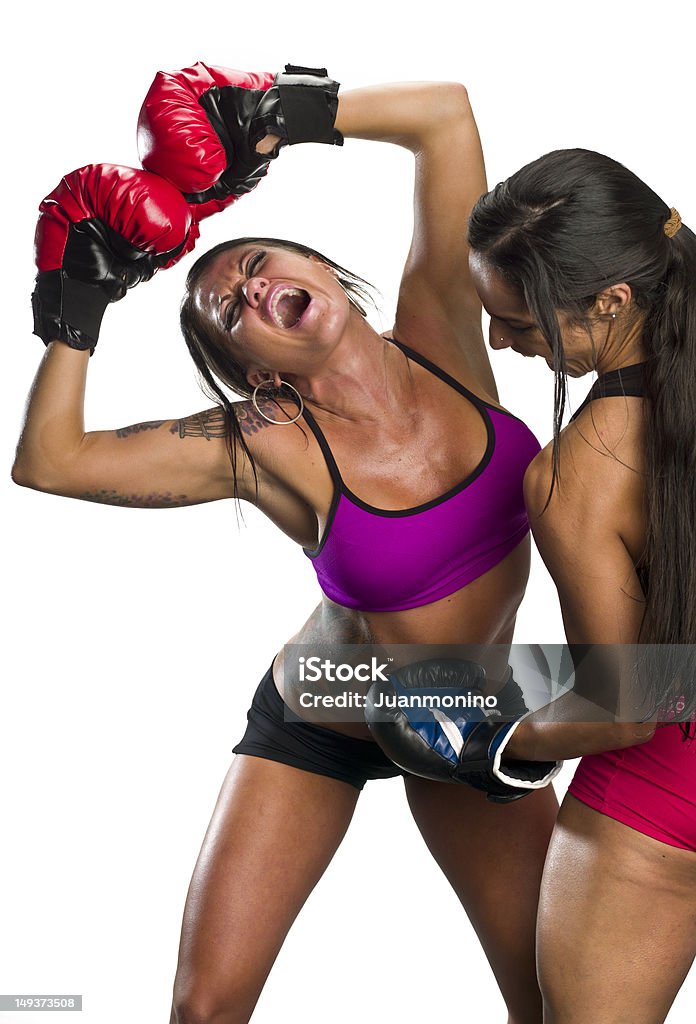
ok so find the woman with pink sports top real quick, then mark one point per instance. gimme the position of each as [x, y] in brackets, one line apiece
[388, 458]
[581, 263]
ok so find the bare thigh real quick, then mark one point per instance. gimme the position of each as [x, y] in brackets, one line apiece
[617, 921]
[493, 856]
[273, 832]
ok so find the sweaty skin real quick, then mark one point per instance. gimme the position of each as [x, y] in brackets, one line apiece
[400, 437]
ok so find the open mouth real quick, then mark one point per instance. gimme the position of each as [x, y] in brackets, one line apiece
[286, 306]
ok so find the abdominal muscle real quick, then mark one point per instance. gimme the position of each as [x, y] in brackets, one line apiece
[483, 612]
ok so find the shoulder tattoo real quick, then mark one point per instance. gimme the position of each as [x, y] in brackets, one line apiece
[250, 422]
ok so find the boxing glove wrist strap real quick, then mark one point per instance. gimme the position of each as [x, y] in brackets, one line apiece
[300, 106]
[67, 310]
[520, 774]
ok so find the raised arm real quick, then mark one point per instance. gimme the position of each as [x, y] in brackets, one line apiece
[439, 312]
[198, 123]
[156, 464]
[102, 230]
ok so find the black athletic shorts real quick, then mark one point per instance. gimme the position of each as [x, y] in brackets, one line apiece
[314, 748]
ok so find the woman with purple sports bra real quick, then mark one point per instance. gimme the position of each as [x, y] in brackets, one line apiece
[578, 261]
[390, 461]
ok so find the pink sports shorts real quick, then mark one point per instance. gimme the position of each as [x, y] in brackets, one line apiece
[650, 787]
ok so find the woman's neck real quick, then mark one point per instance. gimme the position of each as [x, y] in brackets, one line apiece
[365, 377]
[622, 347]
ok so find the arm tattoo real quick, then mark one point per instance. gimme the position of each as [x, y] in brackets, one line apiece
[213, 423]
[209, 424]
[162, 500]
[137, 428]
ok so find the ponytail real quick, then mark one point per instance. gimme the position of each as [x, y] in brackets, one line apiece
[670, 486]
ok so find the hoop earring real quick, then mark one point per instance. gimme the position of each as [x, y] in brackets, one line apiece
[268, 385]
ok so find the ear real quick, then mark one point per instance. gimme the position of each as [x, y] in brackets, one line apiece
[613, 300]
[255, 375]
[324, 266]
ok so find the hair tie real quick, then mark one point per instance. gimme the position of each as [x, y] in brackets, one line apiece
[672, 225]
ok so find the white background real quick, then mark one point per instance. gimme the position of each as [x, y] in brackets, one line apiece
[134, 638]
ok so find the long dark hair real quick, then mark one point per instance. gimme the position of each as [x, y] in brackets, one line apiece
[216, 365]
[561, 230]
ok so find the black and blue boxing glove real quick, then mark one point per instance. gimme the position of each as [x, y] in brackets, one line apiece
[433, 719]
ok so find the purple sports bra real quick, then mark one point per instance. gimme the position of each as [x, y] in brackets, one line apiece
[379, 560]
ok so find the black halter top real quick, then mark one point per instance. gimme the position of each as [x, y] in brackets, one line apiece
[628, 380]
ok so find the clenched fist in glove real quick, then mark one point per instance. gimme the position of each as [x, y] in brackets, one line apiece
[432, 719]
[199, 127]
[103, 229]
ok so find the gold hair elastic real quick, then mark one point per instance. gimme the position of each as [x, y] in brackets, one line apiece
[673, 224]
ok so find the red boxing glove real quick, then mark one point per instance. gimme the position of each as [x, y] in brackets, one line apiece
[194, 130]
[104, 229]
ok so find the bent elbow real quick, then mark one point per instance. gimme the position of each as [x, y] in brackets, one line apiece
[647, 731]
[27, 474]
[632, 734]
[455, 96]
[460, 93]
[21, 475]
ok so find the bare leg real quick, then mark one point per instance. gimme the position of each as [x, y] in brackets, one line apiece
[617, 922]
[273, 833]
[493, 856]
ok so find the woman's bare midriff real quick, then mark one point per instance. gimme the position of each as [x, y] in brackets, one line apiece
[483, 612]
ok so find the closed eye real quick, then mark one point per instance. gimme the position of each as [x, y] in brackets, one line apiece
[231, 314]
[516, 327]
[232, 311]
[254, 263]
